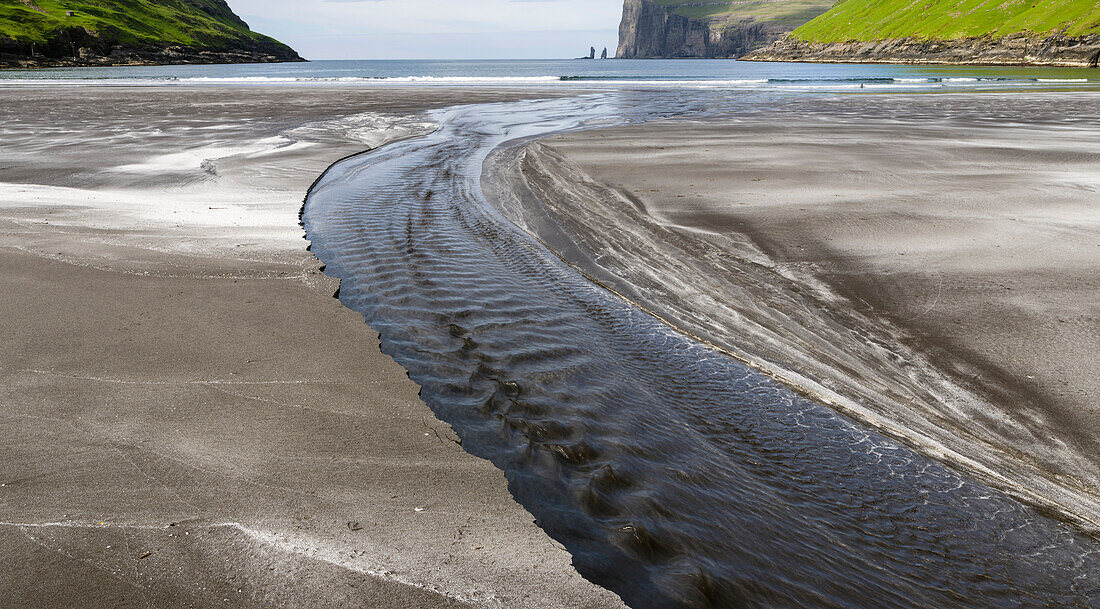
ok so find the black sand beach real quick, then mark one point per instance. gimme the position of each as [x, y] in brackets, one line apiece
[190, 419]
[928, 263]
[677, 476]
[207, 426]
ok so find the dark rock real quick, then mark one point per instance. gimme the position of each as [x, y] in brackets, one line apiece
[652, 31]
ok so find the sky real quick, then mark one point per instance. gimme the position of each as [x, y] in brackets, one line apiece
[437, 29]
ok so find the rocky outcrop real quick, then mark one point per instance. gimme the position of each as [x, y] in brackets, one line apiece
[649, 31]
[1016, 49]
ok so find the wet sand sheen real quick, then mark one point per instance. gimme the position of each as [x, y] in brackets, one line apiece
[189, 419]
[167, 399]
[675, 476]
[876, 247]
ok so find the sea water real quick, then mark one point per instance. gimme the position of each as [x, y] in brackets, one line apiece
[619, 73]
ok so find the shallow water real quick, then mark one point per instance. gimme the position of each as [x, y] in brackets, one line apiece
[692, 236]
[676, 476]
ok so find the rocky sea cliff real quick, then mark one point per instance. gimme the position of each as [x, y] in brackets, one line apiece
[650, 30]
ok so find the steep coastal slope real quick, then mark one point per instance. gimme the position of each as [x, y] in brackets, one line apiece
[39, 33]
[1060, 33]
[671, 28]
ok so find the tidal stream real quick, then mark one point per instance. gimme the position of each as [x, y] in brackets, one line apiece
[675, 475]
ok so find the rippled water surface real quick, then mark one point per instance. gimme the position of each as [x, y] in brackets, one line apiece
[620, 73]
[675, 475]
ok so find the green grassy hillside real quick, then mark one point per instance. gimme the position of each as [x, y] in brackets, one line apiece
[868, 20]
[196, 24]
[781, 13]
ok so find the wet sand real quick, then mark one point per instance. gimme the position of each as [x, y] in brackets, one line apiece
[189, 418]
[931, 262]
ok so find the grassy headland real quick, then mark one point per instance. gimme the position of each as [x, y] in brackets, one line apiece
[130, 31]
[867, 20]
[988, 32]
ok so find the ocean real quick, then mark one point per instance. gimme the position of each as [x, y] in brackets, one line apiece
[693, 73]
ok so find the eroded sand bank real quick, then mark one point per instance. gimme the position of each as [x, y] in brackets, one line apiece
[189, 418]
[930, 263]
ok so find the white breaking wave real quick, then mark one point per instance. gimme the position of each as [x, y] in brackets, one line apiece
[283, 80]
[578, 82]
[486, 80]
[374, 80]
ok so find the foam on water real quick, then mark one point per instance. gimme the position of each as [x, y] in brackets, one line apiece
[617, 74]
[558, 81]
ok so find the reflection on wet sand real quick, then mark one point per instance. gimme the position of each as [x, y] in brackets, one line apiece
[674, 474]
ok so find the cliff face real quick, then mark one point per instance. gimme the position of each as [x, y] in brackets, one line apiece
[650, 30]
[1018, 49]
[665, 30]
[130, 32]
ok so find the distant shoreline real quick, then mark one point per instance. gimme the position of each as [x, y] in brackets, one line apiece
[913, 62]
[1018, 50]
[29, 63]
